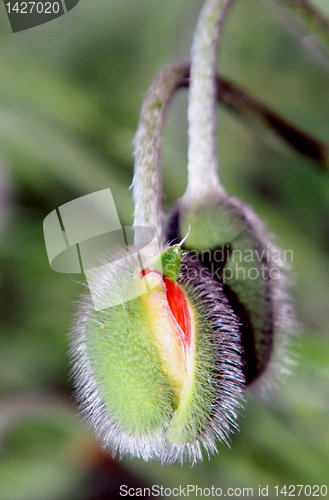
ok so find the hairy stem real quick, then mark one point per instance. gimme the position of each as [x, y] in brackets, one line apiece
[147, 192]
[202, 159]
[310, 17]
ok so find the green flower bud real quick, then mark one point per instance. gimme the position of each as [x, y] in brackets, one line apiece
[160, 376]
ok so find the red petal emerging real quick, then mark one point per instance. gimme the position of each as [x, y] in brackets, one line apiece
[179, 307]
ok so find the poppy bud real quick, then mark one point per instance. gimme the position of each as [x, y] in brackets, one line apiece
[159, 376]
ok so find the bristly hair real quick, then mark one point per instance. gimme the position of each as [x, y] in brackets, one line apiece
[283, 327]
[225, 379]
[226, 365]
[87, 393]
[284, 324]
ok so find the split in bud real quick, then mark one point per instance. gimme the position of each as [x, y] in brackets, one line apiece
[160, 376]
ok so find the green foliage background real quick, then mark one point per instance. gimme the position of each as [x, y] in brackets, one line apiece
[70, 94]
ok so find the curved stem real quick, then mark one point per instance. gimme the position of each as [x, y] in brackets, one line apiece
[202, 160]
[147, 193]
[310, 17]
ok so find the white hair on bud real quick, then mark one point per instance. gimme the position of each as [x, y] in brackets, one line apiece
[285, 325]
[87, 391]
[225, 380]
[227, 370]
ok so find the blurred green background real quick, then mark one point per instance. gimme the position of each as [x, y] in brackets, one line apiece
[70, 94]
